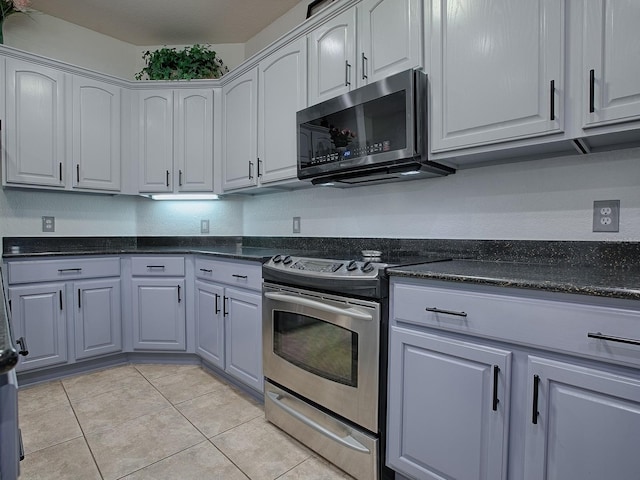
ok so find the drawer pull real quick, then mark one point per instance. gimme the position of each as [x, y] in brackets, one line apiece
[496, 400]
[446, 312]
[69, 270]
[611, 338]
[239, 276]
[536, 386]
[155, 266]
[206, 270]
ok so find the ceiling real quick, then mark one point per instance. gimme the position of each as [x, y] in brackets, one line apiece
[169, 22]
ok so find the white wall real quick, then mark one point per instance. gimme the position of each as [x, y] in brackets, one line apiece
[54, 38]
[549, 199]
[282, 25]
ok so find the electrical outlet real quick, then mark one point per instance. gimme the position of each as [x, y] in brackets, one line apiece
[296, 224]
[606, 216]
[204, 226]
[48, 224]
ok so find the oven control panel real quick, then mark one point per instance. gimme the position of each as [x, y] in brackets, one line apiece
[324, 267]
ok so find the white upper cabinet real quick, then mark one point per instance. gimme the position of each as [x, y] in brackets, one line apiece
[156, 140]
[368, 42]
[194, 140]
[175, 140]
[496, 71]
[389, 36]
[35, 125]
[332, 57]
[96, 135]
[239, 131]
[611, 71]
[282, 92]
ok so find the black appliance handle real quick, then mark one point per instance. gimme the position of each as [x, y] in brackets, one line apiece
[22, 343]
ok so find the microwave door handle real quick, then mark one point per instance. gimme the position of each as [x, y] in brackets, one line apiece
[307, 302]
[347, 441]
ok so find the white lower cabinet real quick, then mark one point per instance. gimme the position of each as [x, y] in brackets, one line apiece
[65, 310]
[448, 407]
[494, 383]
[229, 318]
[585, 423]
[38, 317]
[158, 300]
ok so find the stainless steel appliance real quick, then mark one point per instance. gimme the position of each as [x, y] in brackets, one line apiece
[325, 331]
[373, 134]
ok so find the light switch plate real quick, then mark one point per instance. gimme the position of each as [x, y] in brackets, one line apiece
[48, 224]
[204, 226]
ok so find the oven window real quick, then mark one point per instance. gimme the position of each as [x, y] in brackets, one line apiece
[317, 346]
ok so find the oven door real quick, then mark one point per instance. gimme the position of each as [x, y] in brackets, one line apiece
[324, 348]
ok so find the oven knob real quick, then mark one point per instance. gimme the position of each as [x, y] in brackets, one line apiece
[277, 259]
[287, 260]
[367, 267]
[351, 266]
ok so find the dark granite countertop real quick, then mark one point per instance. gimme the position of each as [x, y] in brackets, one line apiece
[604, 281]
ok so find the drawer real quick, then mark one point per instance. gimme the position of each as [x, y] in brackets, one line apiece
[560, 325]
[157, 266]
[241, 274]
[32, 271]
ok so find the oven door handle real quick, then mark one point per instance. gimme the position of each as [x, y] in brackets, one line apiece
[307, 302]
[347, 441]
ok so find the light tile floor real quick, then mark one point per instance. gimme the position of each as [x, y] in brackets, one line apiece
[154, 422]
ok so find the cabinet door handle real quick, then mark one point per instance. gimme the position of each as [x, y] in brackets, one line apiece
[206, 270]
[69, 270]
[250, 169]
[534, 410]
[217, 306]
[79, 299]
[553, 100]
[60, 171]
[60, 298]
[259, 170]
[167, 178]
[179, 299]
[364, 67]
[179, 178]
[239, 276]
[496, 372]
[446, 312]
[22, 343]
[592, 93]
[611, 338]
[347, 73]
[77, 173]
[225, 312]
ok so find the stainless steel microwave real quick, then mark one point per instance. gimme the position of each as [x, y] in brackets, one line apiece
[374, 134]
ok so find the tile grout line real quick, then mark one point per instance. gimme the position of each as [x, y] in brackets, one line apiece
[84, 436]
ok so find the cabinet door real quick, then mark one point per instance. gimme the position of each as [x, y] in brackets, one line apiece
[38, 315]
[587, 423]
[194, 140]
[443, 420]
[243, 332]
[239, 131]
[611, 41]
[156, 140]
[35, 124]
[332, 57]
[389, 36]
[159, 314]
[283, 91]
[210, 323]
[96, 135]
[96, 314]
[497, 71]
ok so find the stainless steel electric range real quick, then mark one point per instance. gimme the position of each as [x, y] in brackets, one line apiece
[325, 332]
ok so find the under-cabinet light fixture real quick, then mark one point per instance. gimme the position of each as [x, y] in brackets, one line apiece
[184, 196]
